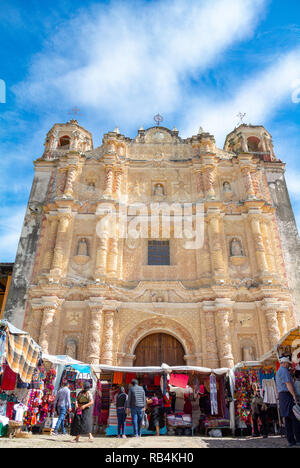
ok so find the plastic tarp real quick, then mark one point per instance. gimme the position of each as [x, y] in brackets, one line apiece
[11, 328]
[66, 360]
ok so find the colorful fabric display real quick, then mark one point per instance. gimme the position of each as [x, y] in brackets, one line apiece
[243, 389]
[179, 380]
[9, 379]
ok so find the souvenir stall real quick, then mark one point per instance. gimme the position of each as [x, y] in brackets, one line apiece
[262, 376]
[65, 369]
[109, 380]
[19, 358]
[190, 398]
[205, 395]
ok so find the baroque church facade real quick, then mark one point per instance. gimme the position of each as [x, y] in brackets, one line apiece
[83, 288]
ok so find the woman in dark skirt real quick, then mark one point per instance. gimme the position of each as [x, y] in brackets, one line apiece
[156, 416]
[83, 420]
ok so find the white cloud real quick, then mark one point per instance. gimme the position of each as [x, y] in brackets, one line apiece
[259, 96]
[130, 60]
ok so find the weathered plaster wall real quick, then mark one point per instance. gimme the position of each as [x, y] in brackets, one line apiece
[26, 253]
[288, 231]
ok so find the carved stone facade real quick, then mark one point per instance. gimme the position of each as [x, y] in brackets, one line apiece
[84, 287]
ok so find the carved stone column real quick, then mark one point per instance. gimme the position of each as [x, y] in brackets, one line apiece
[60, 246]
[209, 181]
[199, 184]
[112, 264]
[216, 244]
[47, 327]
[272, 322]
[35, 321]
[50, 243]
[211, 350]
[109, 182]
[71, 177]
[102, 251]
[259, 244]
[267, 233]
[118, 182]
[94, 333]
[282, 322]
[108, 335]
[250, 192]
[224, 335]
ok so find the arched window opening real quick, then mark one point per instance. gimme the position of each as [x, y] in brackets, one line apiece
[64, 142]
[254, 145]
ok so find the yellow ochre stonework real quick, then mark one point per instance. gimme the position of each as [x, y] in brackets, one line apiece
[95, 297]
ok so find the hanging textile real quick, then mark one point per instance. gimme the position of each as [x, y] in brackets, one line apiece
[270, 391]
[22, 355]
[179, 380]
[118, 378]
[9, 379]
[213, 395]
[157, 381]
[130, 378]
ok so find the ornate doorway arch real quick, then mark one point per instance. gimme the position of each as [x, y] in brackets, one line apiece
[157, 326]
[158, 348]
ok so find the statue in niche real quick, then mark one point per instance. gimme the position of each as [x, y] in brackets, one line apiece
[236, 249]
[227, 187]
[248, 351]
[91, 187]
[159, 190]
[71, 348]
[83, 248]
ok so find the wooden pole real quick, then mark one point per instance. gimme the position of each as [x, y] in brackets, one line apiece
[5, 296]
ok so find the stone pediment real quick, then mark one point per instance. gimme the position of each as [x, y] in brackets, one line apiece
[159, 135]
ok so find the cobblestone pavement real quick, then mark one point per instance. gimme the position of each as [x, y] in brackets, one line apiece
[46, 441]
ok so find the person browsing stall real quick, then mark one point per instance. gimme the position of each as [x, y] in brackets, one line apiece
[121, 404]
[83, 420]
[287, 400]
[62, 405]
[136, 404]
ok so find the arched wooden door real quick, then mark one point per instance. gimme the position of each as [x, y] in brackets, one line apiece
[159, 348]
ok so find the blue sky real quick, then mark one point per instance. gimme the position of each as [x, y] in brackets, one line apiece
[198, 62]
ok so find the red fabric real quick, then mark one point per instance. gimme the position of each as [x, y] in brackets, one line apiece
[188, 409]
[130, 378]
[10, 410]
[9, 379]
[168, 401]
[157, 380]
[179, 380]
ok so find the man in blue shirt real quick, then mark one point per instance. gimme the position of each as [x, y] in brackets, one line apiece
[63, 406]
[287, 400]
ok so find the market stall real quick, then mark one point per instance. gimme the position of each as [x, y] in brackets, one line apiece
[191, 398]
[260, 375]
[19, 360]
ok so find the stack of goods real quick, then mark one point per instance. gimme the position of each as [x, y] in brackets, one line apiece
[243, 384]
[179, 419]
